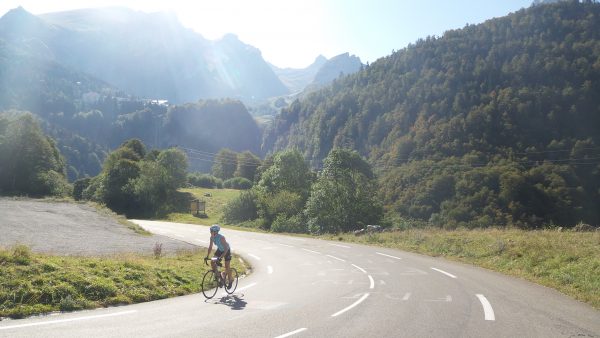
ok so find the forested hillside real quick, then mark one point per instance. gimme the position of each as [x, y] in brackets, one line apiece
[492, 124]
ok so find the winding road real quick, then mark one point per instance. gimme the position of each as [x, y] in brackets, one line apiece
[303, 287]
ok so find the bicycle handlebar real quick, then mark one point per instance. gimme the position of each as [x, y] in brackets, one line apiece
[216, 259]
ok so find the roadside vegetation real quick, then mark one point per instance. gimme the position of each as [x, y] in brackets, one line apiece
[567, 261]
[215, 199]
[34, 284]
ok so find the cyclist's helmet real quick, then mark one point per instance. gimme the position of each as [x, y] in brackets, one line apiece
[215, 228]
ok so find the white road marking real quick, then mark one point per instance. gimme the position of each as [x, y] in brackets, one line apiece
[339, 245]
[372, 282]
[406, 296]
[269, 269]
[382, 282]
[351, 306]
[291, 333]
[311, 251]
[289, 246]
[445, 273]
[67, 320]
[359, 268]
[487, 307]
[254, 256]
[448, 298]
[339, 259]
[246, 287]
[382, 254]
[297, 239]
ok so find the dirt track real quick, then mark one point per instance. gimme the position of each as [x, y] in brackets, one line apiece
[72, 229]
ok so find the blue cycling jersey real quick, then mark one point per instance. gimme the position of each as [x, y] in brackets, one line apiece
[218, 243]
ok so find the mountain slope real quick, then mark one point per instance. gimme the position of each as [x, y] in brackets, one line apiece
[447, 119]
[296, 79]
[149, 55]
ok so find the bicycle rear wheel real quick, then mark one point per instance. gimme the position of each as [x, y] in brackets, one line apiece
[234, 282]
[209, 284]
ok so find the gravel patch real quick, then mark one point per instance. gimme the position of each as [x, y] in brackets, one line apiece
[64, 228]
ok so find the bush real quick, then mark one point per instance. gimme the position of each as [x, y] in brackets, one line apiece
[240, 209]
[204, 181]
[237, 183]
[294, 224]
[79, 186]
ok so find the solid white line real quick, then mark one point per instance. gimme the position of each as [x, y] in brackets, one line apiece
[270, 269]
[289, 246]
[406, 296]
[246, 287]
[359, 268]
[372, 282]
[311, 251]
[351, 306]
[291, 333]
[487, 307]
[254, 256]
[339, 259]
[382, 254]
[67, 320]
[339, 245]
[445, 273]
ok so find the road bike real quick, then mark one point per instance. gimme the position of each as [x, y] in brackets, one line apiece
[213, 279]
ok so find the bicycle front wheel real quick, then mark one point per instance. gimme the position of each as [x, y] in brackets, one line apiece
[209, 284]
[234, 282]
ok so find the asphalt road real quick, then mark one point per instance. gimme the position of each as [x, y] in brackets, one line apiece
[304, 287]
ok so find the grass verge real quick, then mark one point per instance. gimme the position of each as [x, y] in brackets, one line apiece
[34, 284]
[214, 205]
[566, 261]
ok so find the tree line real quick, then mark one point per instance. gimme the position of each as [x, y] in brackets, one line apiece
[495, 124]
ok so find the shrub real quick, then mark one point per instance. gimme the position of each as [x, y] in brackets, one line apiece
[79, 186]
[240, 209]
[204, 181]
[237, 183]
[294, 224]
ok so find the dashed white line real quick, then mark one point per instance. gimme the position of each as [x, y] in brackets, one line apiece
[351, 306]
[372, 282]
[269, 269]
[359, 268]
[487, 307]
[291, 333]
[254, 256]
[289, 246]
[386, 255]
[311, 251]
[67, 320]
[406, 296]
[445, 273]
[341, 246]
[339, 259]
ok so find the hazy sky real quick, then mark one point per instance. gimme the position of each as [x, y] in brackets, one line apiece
[291, 33]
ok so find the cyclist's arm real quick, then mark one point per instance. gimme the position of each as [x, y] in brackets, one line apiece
[209, 248]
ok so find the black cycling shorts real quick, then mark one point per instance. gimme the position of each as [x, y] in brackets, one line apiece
[218, 253]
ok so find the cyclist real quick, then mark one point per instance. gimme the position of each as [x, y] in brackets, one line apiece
[223, 250]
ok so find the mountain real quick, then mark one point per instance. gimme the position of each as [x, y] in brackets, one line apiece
[492, 124]
[343, 64]
[296, 79]
[148, 55]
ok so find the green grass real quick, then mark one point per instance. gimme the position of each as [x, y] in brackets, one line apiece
[34, 284]
[566, 261]
[214, 206]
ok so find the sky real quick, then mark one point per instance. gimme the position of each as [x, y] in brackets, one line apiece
[292, 33]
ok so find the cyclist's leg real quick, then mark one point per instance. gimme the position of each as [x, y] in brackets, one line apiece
[227, 266]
